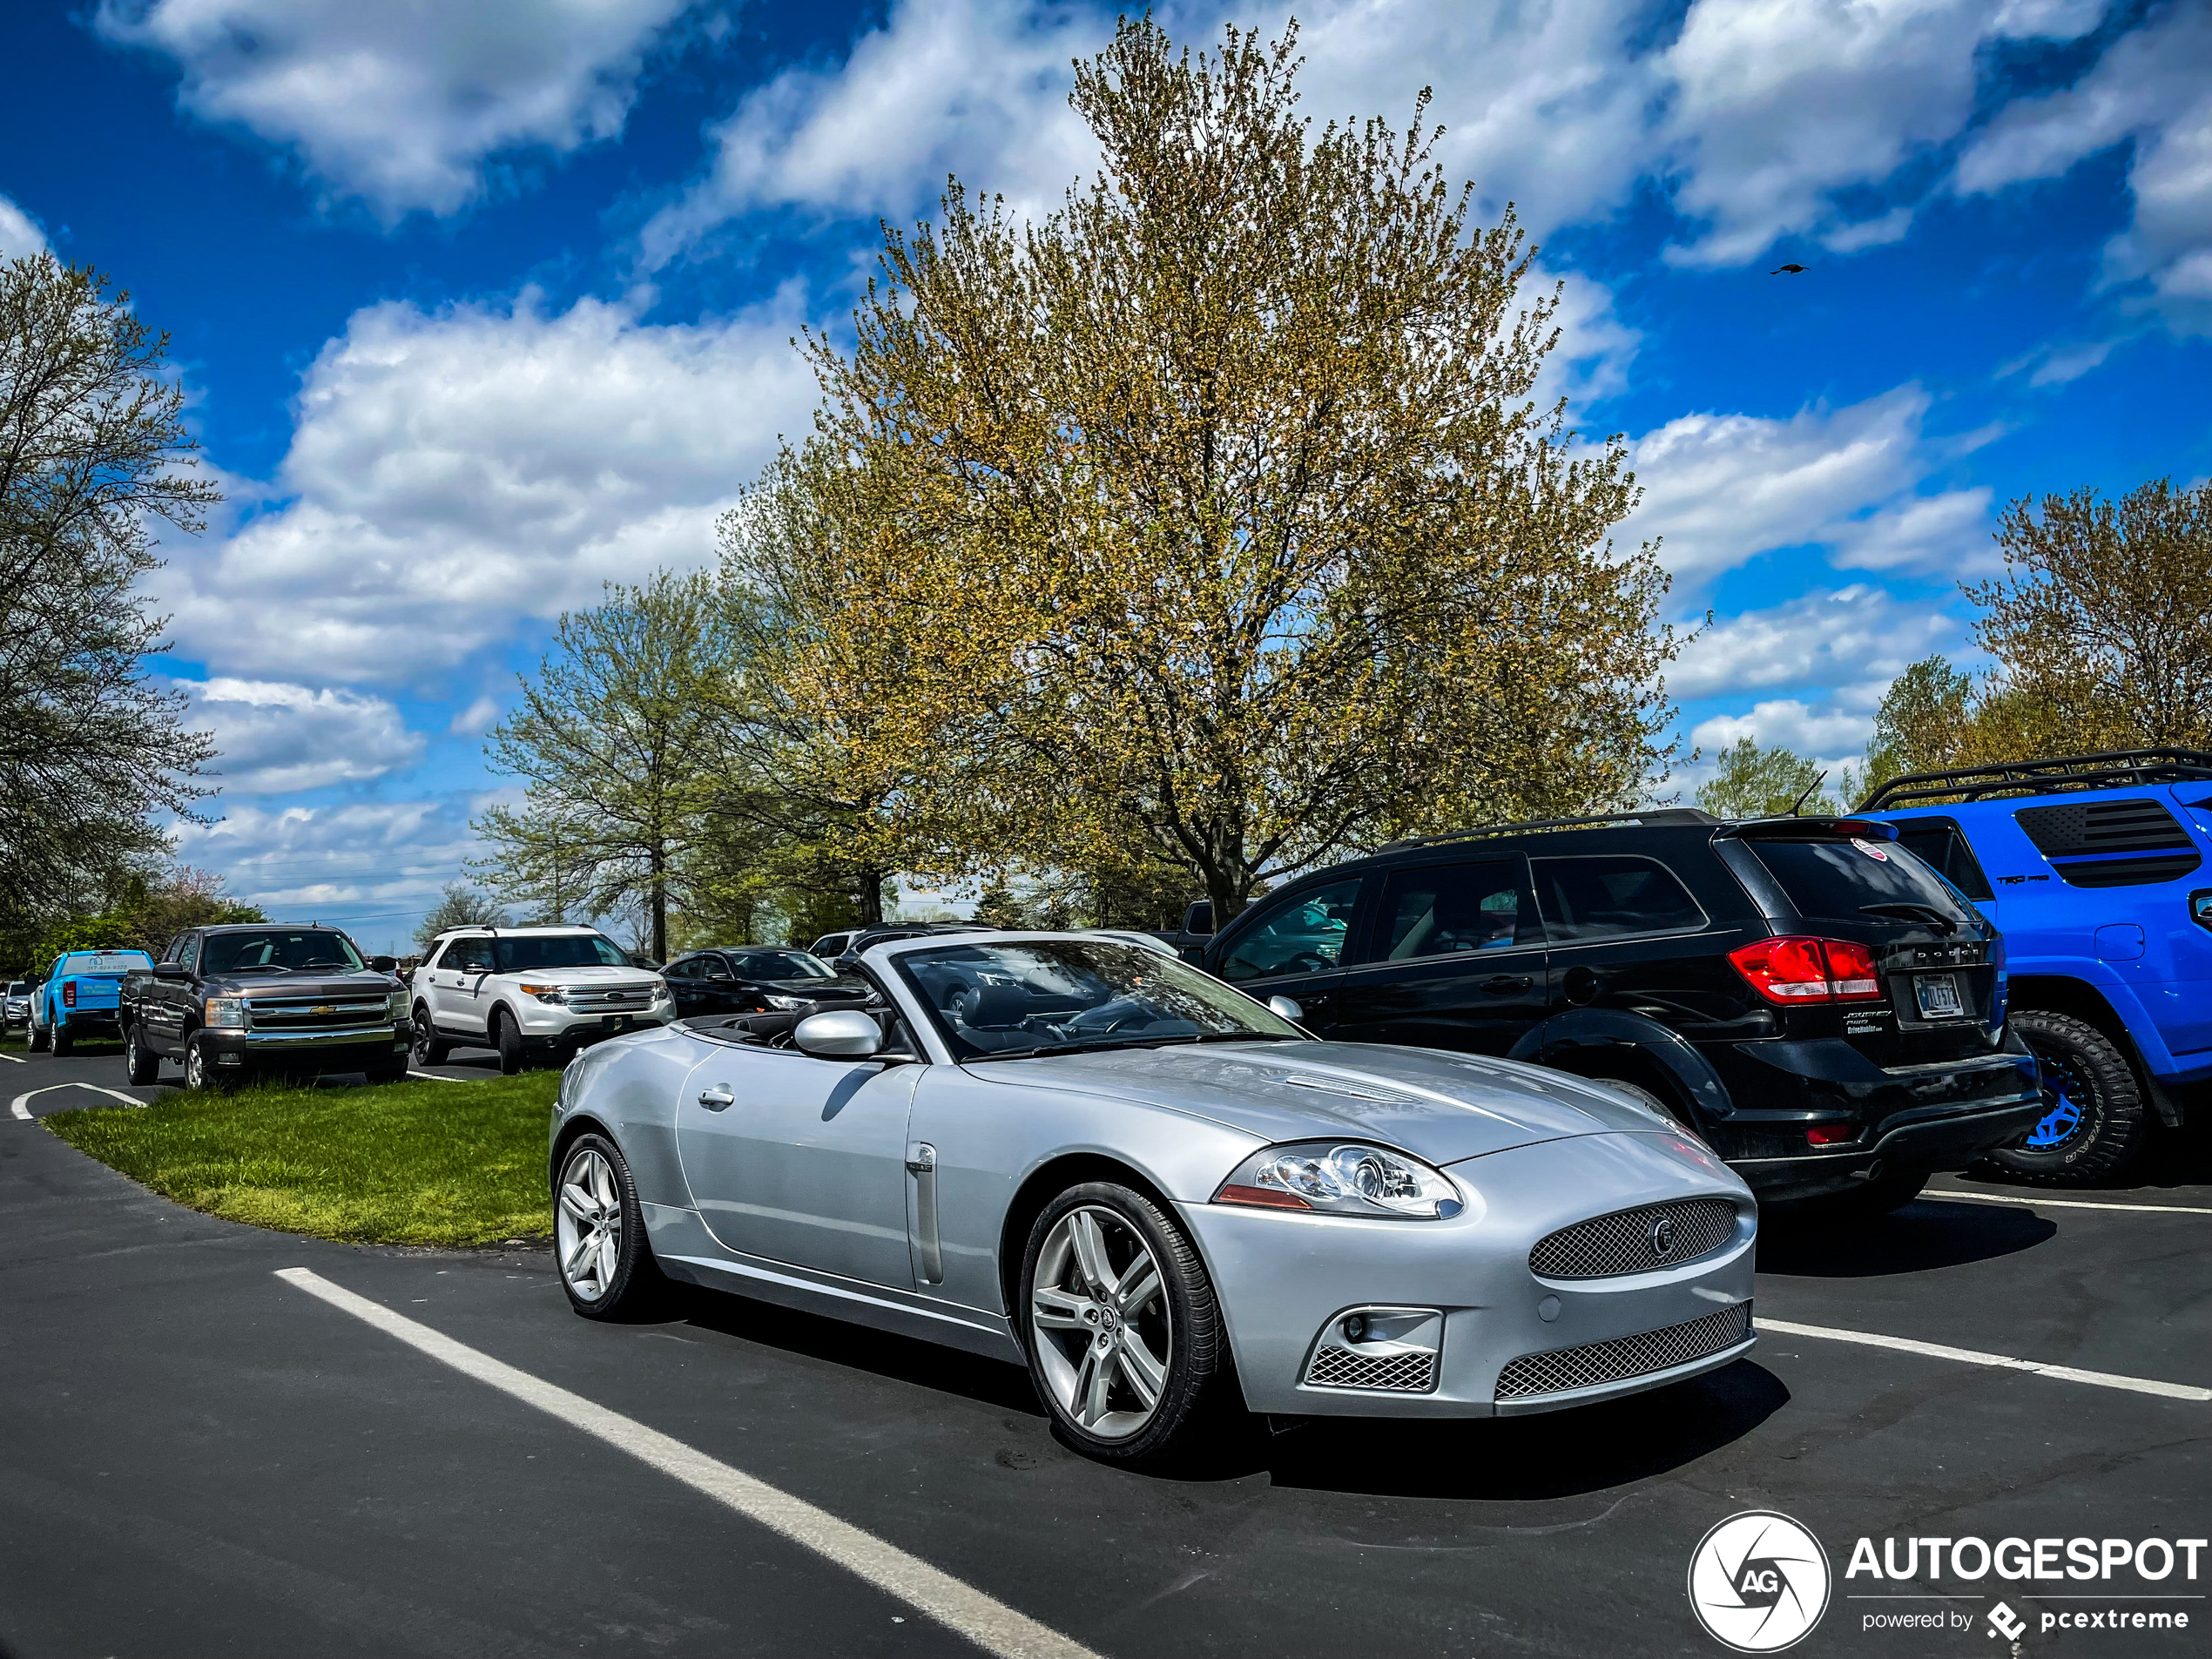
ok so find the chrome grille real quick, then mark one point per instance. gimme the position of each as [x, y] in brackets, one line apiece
[1630, 1241]
[1409, 1371]
[1566, 1369]
[614, 997]
[317, 1013]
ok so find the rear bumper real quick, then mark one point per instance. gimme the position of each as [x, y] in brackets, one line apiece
[1948, 1141]
[86, 1022]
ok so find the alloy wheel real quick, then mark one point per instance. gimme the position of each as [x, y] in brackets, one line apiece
[588, 1226]
[1098, 1314]
[195, 1066]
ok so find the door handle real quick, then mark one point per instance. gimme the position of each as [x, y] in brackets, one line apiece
[717, 1098]
[921, 1163]
[1499, 984]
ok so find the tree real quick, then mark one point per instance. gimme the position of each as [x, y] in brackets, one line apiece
[1764, 782]
[458, 905]
[1921, 722]
[2101, 624]
[617, 739]
[1208, 519]
[93, 455]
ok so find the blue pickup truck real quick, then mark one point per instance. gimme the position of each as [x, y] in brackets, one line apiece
[2097, 869]
[78, 997]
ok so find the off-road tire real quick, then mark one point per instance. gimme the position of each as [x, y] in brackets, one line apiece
[430, 1049]
[1199, 1379]
[141, 1063]
[2108, 1098]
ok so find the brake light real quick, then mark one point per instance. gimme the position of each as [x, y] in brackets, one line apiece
[1795, 969]
[69, 995]
[1828, 1134]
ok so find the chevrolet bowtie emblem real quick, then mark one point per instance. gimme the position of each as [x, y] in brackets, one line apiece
[325, 1008]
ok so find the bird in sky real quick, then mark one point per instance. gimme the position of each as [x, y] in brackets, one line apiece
[1794, 270]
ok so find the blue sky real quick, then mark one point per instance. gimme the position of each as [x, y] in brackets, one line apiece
[482, 306]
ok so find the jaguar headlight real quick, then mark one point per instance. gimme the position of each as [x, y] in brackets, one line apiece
[225, 1013]
[1343, 1178]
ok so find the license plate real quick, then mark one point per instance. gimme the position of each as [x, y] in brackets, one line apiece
[1938, 996]
[613, 1022]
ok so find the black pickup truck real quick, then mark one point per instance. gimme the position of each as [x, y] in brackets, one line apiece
[232, 1001]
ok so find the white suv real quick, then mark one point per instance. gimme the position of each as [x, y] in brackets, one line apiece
[534, 994]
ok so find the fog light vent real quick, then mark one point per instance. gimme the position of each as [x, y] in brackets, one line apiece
[1382, 1350]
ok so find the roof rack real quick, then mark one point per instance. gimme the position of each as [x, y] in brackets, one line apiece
[2108, 768]
[1660, 815]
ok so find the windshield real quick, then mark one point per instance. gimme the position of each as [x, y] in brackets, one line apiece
[279, 950]
[18, 987]
[515, 955]
[1860, 877]
[781, 964]
[1044, 995]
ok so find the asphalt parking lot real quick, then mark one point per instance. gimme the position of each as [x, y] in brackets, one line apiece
[202, 1457]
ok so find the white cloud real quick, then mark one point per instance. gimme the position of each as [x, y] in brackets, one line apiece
[2153, 88]
[452, 472]
[1836, 734]
[477, 719]
[272, 739]
[1722, 488]
[1595, 346]
[20, 236]
[402, 102]
[1849, 637]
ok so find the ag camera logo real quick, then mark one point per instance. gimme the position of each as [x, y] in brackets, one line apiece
[1758, 1581]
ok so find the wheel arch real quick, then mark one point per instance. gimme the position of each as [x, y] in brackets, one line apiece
[1613, 1042]
[1045, 1184]
[574, 1128]
[2078, 999]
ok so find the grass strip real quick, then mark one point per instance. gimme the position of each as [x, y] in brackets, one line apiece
[412, 1162]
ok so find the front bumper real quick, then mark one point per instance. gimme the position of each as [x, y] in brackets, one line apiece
[351, 1049]
[1284, 1278]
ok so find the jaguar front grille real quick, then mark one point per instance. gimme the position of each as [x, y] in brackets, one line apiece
[1565, 1370]
[1641, 1240]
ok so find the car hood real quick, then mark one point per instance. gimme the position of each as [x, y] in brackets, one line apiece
[1438, 1105]
[598, 975]
[332, 986]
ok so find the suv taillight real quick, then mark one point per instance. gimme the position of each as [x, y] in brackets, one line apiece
[1795, 969]
[69, 995]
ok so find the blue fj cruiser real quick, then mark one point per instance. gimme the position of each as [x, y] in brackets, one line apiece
[2097, 869]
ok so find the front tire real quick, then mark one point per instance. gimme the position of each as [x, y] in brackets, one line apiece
[141, 1064]
[1123, 1332]
[37, 1038]
[200, 1069]
[429, 1049]
[599, 1247]
[2096, 1123]
[506, 1038]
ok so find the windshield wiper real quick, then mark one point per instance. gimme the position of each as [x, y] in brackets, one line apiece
[1926, 913]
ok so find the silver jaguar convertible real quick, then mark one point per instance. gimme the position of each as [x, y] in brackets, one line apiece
[1080, 1156]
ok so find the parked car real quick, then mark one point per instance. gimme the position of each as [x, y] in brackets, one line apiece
[841, 949]
[234, 1000]
[753, 979]
[15, 1007]
[1190, 939]
[77, 996]
[2098, 867]
[1152, 1177]
[1803, 993]
[533, 994]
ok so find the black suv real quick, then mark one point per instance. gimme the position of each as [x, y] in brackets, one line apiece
[1819, 1005]
[753, 979]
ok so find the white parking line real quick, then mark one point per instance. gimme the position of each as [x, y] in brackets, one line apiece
[434, 1078]
[1968, 1356]
[21, 1105]
[2068, 1203]
[17, 1058]
[990, 1624]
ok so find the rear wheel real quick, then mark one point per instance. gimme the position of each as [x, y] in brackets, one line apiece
[2096, 1123]
[430, 1048]
[1124, 1334]
[143, 1064]
[61, 1042]
[606, 1266]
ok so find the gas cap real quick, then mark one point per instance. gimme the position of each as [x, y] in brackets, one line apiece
[2118, 941]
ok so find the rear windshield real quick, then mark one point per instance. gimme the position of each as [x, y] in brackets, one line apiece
[104, 961]
[557, 950]
[1856, 877]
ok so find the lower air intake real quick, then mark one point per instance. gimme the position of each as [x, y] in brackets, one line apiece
[1566, 1370]
[1401, 1373]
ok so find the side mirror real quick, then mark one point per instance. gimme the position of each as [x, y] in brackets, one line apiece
[171, 970]
[844, 1034]
[1198, 918]
[1287, 1008]
[384, 964]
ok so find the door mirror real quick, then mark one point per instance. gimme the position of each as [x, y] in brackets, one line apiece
[171, 970]
[1198, 918]
[848, 1033]
[384, 964]
[1287, 1008]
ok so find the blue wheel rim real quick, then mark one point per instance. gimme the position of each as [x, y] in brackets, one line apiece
[2061, 1124]
[2065, 1120]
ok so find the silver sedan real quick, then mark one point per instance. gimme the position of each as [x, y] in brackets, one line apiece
[1156, 1193]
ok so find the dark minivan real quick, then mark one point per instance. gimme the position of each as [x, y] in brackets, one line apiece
[1819, 1005]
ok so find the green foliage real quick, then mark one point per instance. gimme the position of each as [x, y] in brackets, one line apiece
[413, 1162]
[1763, 783]
[141, 915]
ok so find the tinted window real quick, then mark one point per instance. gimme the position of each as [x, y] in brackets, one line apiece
[285, 949]
[556, 950]
[1305, 934]
[188, 953]
[1604, 898]
[712, 967]
[1852, 878]
[469, 956]
[686, 969]
[1940, 847]
[783, 964]
[1447, 908]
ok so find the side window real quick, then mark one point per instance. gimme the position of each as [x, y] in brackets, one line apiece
[469, 955]
[1939, 845]
[188, 953]
[1305, 934]
[1608, 897]
[712, 967]
[684, 969]
[1445, 909]
[169, 951]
